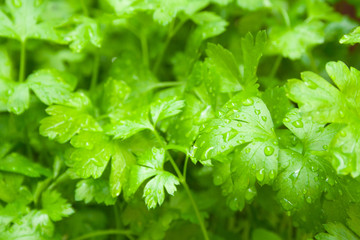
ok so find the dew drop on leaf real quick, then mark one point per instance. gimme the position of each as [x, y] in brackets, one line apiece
[264, 118]
[268, 150]
[325, 147]
[218, 180]
[341, 114]
[253, 166]
[248, 102]
[286, 119]
[298, 124]
[257, 111]
[308, 199]
[260, 175]
[272, 174]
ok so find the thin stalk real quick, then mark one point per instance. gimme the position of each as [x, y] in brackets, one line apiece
[285, 16]
[22, 61]
[276, 66]
[144, 49]
[185, 166]
[170, 35]
[63, 177]
[105, 232]
[84, 8]
[185, 185]
[95, 72]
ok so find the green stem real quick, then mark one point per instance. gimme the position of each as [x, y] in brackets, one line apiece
[144, 49]
[185, 166]
[276, 66]
[105, 232]
[185, 185]
[84, 8]
[172, 32]
[95, 72]
[63, 177]
[22, 61]
[285, 16]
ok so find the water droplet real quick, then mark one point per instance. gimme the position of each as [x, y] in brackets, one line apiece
[340, 192]
[342, 133]
[218, 180]
[286, 119]
[264, 118]
[298, 124]
[325, 147]
[247, 150]
[341, 114]
[202, 143]
[287, 205]
[253, 166]
[250, 193]
[260, 175]
[227, 121]
[207, 152]
[237, 116]
[294, 175]
[311, 84]
[268, 150]
[248, 102]
[314, 168]
[154, 150]
[257, 111]
[272, 174]
[304, 191]
[223, 147]
[330, 181]
[308, 199]
[316, 179]
[275, 142]
[239, 125]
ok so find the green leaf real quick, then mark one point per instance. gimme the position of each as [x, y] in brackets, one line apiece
[26, 21]
[352, 38]
[277, 103]
[253, 4]
[125, 129]
[164, 108]
[293, 43]
[151, 165]
[336, 231]
[55, 206]
[86, 32]
[9, 186]
[64, 122]
[326, 103]
[252, 49]
[300, 180]
[34, 225]
[115, 93]
[314, 136]
[5, 63]
[242, 120]
[224, 62]
[260, 234]
[17, 163]
[209, 24]
[319, 10]
[97, 190]
[19, 99]
[121, 159]
[52, 86]
[91, 154]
